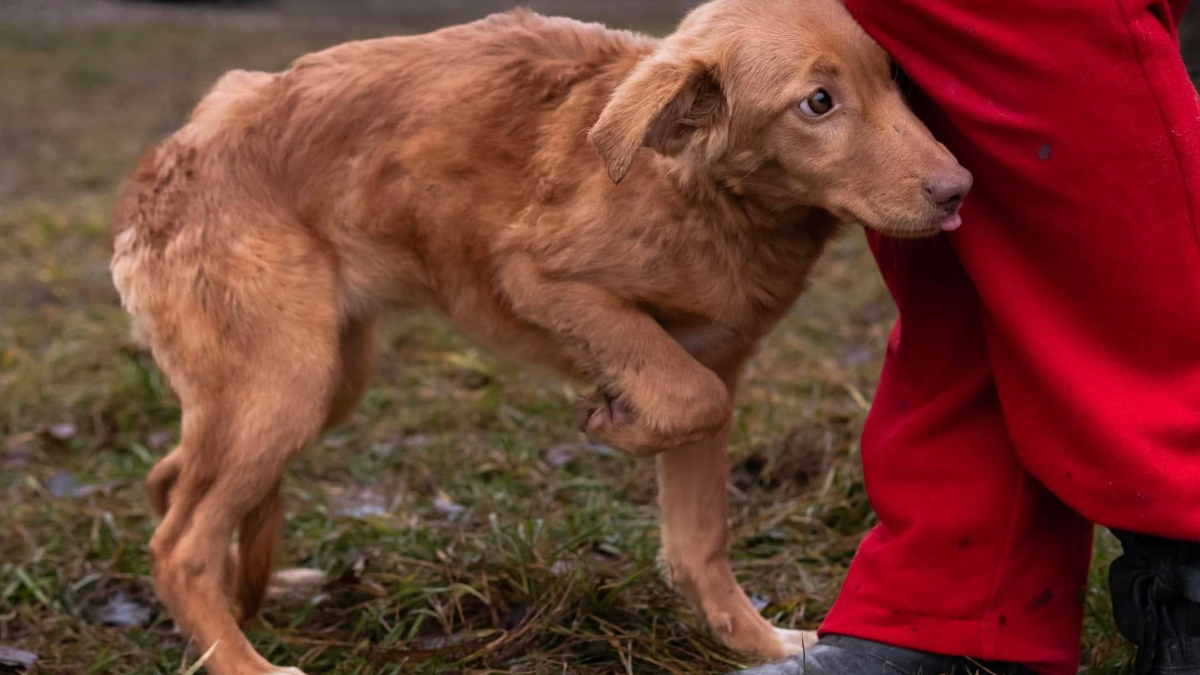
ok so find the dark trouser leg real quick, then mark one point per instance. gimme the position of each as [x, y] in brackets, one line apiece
[1156, 602]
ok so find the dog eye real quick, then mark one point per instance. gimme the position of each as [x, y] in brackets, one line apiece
[820, 103]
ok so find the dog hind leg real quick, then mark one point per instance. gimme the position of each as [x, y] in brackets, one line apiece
[254, 357]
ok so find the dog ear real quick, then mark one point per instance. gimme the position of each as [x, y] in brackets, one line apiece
[664, 105]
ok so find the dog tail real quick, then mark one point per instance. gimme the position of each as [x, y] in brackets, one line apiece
[258, 543]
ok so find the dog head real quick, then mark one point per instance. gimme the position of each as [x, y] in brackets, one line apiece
[789, 102]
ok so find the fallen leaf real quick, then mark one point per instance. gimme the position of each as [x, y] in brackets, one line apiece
[416, 441]
[121, 611]
[158, 440]
[85, 490]
[563, 453]
[446, 506]
[62, 484]
[61, 432]
[19, 659]
[298, 578]
[601, 449]
[759, 602]
[359, 502]
[857, 356]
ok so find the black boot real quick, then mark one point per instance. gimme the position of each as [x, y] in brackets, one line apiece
[841, 655]
[1156, 602]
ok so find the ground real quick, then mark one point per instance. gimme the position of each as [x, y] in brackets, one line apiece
[466, 525]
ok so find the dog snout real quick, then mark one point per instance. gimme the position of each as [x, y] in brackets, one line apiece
[947, 187]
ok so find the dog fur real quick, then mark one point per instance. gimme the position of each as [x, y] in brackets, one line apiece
[633, 214]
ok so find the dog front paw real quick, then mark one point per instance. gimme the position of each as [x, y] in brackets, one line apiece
[608, 419]
[611, 420]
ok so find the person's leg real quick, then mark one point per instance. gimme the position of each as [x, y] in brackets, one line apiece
[1080, 125]
[972, 556]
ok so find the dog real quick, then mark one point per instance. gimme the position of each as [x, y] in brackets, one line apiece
[633, 214]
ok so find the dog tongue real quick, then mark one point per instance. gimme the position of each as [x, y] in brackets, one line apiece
[952, 223]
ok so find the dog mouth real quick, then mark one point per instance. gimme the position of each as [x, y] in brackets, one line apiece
[928, 228]
[951, 223]
[908, 229]
[900, 225]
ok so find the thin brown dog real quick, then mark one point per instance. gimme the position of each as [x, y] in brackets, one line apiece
[634, 214]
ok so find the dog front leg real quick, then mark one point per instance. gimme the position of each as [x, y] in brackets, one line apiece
[693, 497]
[653, 394]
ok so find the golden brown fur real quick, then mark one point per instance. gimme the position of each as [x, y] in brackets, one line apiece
[632, 214]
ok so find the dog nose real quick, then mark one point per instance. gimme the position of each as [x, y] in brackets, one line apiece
[948, 187]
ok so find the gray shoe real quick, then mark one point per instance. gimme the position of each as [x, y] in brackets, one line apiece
[842, 655]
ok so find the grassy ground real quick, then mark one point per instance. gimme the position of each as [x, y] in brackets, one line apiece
[467, 527]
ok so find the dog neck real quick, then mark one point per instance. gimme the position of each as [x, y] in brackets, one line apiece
[751, 195]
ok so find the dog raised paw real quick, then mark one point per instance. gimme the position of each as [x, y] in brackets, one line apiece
[600, 410]
[611, 420]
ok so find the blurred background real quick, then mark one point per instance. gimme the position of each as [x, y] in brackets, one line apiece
[466, 527]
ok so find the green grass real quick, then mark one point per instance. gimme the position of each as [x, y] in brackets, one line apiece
[467, 526]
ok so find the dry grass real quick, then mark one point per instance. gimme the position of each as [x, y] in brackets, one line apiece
[467, 526]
